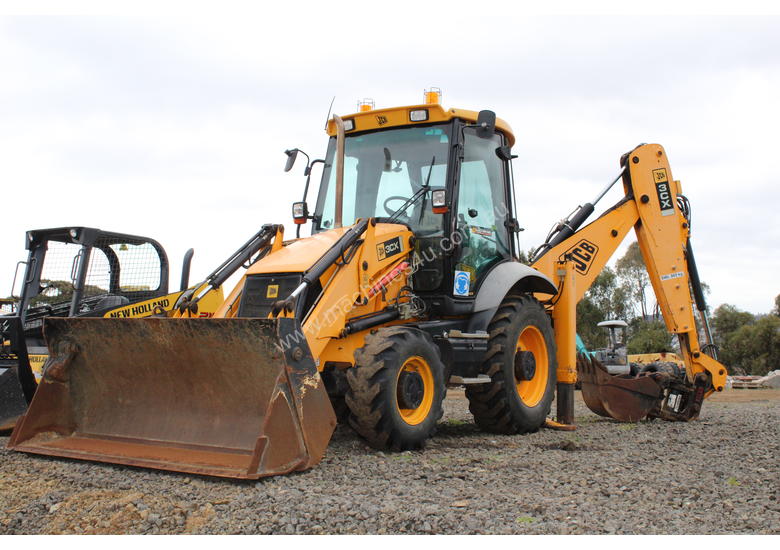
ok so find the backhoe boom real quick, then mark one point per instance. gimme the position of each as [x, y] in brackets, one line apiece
[654, 206]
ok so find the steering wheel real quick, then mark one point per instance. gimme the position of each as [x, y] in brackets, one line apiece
[389, 211]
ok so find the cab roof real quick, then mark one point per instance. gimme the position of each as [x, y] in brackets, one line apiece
[376, 119]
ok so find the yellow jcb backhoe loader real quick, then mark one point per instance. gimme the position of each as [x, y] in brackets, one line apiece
[409, 282]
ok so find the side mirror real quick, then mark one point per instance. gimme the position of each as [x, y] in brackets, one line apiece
[439, 201]
[300, 212]
[292, 154]
[486, 124]
[505, 153]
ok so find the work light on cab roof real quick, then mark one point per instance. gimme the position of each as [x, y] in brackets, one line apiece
[365, 104]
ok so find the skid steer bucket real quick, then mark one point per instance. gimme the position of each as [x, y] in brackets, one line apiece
[237, 398]
[621, 397]
[17, 381]
[12, 400]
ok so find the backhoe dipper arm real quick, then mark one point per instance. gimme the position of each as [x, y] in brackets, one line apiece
[656, 209]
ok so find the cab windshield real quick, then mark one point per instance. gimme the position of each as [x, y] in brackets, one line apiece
[381, 171]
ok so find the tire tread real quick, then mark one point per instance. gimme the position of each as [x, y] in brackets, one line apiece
[490, 403]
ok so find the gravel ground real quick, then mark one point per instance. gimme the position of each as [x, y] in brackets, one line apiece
[720, 474]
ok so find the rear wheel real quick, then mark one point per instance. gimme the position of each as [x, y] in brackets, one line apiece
[396, 389]
[521, 364]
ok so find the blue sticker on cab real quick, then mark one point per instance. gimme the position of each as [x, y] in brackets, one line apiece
[462, 283]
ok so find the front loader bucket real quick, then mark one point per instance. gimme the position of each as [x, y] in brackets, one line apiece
[237, 398]
[620, 397]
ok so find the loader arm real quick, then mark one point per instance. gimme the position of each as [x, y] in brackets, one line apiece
[651, 207]
[349, 281]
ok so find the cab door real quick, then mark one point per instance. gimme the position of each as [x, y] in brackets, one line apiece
[483, 207]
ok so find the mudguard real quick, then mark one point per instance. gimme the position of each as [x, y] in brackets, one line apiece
[504, 277]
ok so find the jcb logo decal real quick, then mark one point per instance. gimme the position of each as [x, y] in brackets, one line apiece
[388, 248]
[664, 192]
[381, 120]
[582, 254]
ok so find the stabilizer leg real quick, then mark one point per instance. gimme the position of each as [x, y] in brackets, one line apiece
[565, 325]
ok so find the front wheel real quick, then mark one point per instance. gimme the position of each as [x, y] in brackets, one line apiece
[521, 363]
[396, 389]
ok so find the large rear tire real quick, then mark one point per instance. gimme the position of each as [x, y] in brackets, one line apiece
[396, 389]
[521, 364]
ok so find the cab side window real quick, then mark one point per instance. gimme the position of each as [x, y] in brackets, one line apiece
[481, 210]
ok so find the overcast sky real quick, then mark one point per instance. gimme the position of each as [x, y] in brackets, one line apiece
[175, 128]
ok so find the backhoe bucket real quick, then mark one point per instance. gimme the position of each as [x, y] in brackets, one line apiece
[621, 397]
[237, 398]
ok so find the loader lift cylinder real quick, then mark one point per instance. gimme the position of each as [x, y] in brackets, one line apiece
[349, 238]
[241, 256]
[218, 277]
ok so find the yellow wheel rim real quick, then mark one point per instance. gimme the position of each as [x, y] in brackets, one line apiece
[420, 366]
[531, 391]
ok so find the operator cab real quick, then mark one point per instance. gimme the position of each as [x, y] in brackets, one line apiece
[443, 173]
